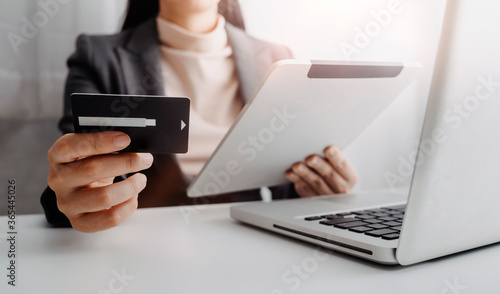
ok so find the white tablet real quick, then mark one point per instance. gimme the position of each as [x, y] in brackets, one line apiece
[302, 107]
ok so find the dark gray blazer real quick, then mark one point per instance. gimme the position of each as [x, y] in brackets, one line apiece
[130, 63]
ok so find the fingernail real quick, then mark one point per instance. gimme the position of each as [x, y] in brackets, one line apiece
[301, 168]
[290, 175]
[121, 141]
[144, 180]
[313, 161]
[147, 158]
[331, 150]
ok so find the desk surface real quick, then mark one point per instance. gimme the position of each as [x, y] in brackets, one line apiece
[202, 250]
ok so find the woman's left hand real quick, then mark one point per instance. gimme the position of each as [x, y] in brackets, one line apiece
[319, 175]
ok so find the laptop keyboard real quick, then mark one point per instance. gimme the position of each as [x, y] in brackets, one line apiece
[382, 222]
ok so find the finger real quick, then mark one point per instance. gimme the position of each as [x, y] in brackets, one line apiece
[96, 199]
[301, 187]
[302, 183]
[105, 219]
[72, 147]
[341, 165]
[315, 181]
[304, 190]
[330, 175]
[95, 168]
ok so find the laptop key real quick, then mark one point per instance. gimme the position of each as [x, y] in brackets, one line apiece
[365, 216]
[398, 215]
[377, 226]
[387, 218]
[331, 222]
[378, 233]
[313, 218]
[331, 216]
[380, 214]
[391, 236]
[373, 221]
[349, 225]
[360, 212]
[361, 229]
[344, 214]
[398, 228]
[391, 223]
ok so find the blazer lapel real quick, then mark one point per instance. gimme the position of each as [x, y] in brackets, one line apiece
[141, 61]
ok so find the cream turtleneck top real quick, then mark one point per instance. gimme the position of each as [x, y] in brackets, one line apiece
[201, 67]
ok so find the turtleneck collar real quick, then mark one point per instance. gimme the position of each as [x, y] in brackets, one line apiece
[176, 37]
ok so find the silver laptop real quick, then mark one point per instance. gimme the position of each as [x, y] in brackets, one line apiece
[455, 191]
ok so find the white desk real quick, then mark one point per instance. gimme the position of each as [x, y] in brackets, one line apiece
[214, 254]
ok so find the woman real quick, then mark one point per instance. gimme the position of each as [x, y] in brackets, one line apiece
[173, 48]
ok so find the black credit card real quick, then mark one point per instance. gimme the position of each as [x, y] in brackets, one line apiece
[155, 124]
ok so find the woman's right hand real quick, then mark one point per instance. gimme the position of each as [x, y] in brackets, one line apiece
[82, 170]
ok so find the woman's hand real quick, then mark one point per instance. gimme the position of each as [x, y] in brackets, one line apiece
[82, 170]
[327, 175]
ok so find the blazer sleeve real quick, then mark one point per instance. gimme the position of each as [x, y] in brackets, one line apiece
[81, 79]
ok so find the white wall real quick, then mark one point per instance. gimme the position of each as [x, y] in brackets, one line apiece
[319, 29]
[32, 72]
